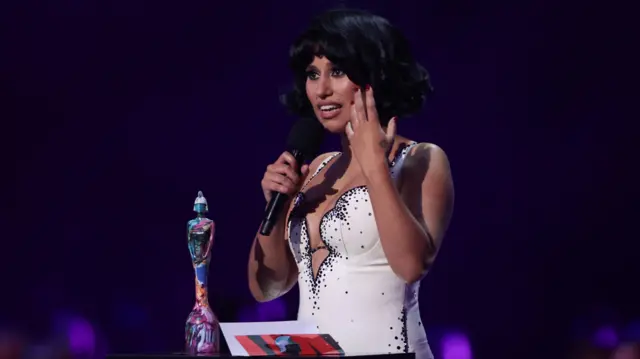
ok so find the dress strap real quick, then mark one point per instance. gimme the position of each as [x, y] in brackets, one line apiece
[319, 169]
[398, 159]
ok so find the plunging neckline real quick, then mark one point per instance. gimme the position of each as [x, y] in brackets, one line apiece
[300, 199]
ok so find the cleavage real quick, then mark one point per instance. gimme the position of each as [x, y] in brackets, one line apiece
[308, 212]
[319, 249]
[316, 198]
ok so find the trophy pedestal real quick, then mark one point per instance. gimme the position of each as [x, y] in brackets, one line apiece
[297, 346]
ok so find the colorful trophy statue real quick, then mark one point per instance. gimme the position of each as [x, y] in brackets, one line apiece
[202, 329]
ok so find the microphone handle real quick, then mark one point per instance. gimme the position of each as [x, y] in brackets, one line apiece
[274, 207]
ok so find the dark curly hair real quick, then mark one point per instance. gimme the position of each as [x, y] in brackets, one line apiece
[370, 51]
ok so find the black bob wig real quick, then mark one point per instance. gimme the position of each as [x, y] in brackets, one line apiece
[370, 51]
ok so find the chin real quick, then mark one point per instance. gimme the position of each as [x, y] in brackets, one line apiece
[333, 127]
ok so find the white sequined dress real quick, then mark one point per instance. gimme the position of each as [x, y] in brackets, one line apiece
[355, 296]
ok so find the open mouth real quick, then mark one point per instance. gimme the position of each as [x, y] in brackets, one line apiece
[329, 111]
[327, 108]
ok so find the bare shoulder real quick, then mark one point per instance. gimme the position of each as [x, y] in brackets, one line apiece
[427, 157]
[427, 187]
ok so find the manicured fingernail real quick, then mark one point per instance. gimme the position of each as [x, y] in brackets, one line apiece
[368, 87]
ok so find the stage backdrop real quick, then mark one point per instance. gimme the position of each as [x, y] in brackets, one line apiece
[116, 113]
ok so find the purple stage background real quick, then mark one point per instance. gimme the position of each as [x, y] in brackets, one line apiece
[116, 113]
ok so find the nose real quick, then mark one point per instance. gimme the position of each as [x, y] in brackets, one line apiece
[323, 89]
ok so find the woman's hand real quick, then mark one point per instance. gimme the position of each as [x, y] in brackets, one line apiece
[370, 143]
[281, 176]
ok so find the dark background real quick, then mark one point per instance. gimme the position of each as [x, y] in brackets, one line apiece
[115, 113]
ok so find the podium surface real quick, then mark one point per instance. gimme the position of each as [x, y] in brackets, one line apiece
[224, 356]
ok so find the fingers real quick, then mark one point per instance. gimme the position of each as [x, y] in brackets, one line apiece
[349, 130]
[287, 158]
[365, 107]
[304, 170]
[281, 176]
[353, 118]
[277, 182]
[360, 110]
[285, 171]
[392, 129]
[370, 105]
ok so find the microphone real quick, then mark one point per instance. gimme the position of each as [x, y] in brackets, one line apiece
[303, 143]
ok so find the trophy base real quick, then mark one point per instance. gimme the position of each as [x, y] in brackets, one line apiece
[202, 339]
[205, 350]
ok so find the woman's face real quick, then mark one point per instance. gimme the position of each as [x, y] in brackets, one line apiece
[330, 93]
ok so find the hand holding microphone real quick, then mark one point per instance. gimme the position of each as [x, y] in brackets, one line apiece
[284, 177]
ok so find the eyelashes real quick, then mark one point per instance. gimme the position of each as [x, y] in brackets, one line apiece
[314, 75]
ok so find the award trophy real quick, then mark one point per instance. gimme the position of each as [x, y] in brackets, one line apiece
[202, 331]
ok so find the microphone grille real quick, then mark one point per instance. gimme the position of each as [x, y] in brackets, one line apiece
[306, 136]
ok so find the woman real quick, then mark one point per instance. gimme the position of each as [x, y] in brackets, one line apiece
[365, 223]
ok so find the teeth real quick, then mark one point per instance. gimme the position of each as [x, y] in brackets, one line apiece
[329, 107]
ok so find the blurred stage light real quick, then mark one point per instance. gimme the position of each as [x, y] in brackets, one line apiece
[82, 339]
[273, 310]
[78, 332]
[605, 337]
[455, 345]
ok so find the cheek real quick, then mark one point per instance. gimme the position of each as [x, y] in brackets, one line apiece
[349, 96]
[310, 91]
[347, 90]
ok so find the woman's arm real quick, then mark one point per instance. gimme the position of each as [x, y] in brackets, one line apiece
[413, 221]
[272, 270]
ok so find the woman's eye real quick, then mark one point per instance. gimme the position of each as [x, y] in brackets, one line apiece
[337, 73]
[312, 75]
